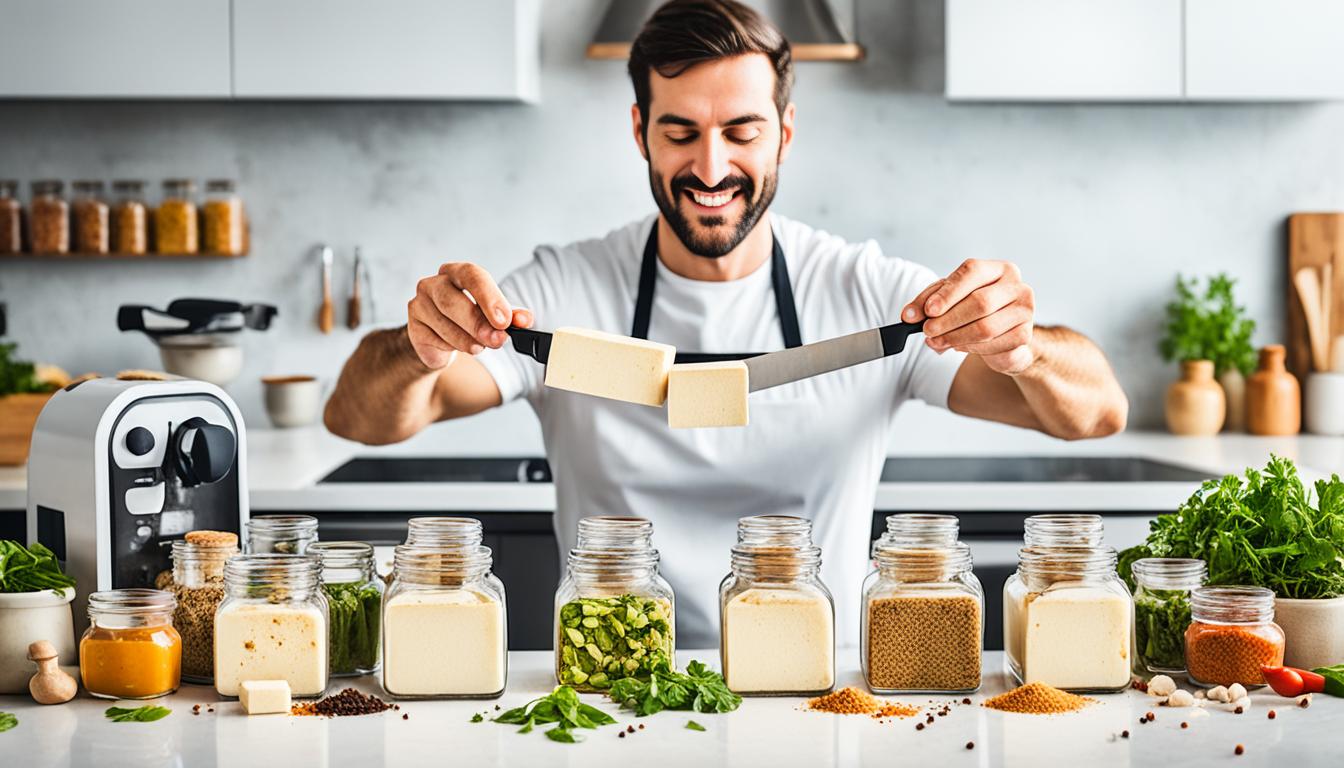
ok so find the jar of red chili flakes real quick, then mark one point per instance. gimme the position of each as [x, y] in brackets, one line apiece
[1232, 632]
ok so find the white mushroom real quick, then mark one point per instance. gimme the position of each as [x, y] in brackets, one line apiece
[1218, 693]
[1180, 698]
[1236, 691]
[1161, 685]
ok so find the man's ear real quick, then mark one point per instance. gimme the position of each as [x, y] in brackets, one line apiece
[637, 124]
[785, 131]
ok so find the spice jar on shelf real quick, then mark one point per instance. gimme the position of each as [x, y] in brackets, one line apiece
[175, 220]
[130, 650]
[614, 612]
[272, 624]
[1232, 632]
[11, 217]
[776, 617]
[130, 218]
[354, 605]
[1162, 587]
[445, 629]
[281, 534]
[923, 609]
[49, 218]
[198, 584]
[1068, 619]
[90, 213]
[224, 227]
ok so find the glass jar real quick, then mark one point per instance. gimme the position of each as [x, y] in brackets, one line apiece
[776, 617]
[1162, 587]
[281, 534]
[223, 219]
[272, 624]
[11, 217]
[449, 532]
[175, 225]
[923, 609]
[49, 218]
[198, 585]
[90, 212]
[1068, 619]
[130, 650]
[130, 218]
[1232, 632]
[354, 605]
[445, 632]
[613, 611]
[1063, 530]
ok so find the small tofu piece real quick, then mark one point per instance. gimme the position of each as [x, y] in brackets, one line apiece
[707, 395]
[264, 697]
[609, 365]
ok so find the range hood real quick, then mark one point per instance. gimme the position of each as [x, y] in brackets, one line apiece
[818, 30]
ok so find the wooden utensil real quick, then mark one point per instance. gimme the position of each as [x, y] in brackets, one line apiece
[1309, 293]
[1327, 305]
[1314, 240]
[326, 314]
[352, 312]
[1337, 354]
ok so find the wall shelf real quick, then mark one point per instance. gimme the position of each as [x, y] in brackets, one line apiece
[120, 256]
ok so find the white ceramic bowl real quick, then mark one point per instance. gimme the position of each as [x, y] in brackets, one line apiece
[26, 617]
[1323, 403]
[292, 401]
[1315, 631]
[215, 363]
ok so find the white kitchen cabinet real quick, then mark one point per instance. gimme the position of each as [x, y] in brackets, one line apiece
[391, 49]
[1064, 50]
[1256, 50]
[114, 49]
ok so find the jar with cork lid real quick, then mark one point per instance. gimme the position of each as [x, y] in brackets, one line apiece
[198, 585]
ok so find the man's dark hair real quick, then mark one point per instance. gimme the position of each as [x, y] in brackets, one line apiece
[683, 33]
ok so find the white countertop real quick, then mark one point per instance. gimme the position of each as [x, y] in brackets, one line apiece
[764, 731]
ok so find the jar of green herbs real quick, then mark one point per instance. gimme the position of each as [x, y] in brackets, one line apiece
[355, 601]
[1162, 587]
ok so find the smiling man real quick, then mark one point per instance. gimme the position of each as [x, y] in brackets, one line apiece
[716, 271]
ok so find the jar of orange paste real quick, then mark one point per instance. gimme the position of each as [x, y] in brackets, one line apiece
[130, 650]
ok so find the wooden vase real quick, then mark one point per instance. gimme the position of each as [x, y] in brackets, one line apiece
[1273, 397]
[1195, 402]
[1234, 389]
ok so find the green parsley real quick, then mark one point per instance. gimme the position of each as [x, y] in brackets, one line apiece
[478, 718]
[7, 721]
[560, 706]
[146, 714]
[698, 689]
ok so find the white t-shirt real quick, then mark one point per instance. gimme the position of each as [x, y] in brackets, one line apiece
[814, 448]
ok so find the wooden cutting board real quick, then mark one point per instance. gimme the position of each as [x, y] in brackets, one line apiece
[1314, 240]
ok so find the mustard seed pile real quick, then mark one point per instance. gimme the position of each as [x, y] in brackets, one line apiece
[852, 701]
[1037, 699]
[924, 643]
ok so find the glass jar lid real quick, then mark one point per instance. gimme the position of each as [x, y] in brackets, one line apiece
[609, 544]
[178, 187]
[47, 186]
[1169, 573]
[775, 545]
[445, 531]
[87, 187]
[1062, 563]
[222, 186]
[9, 187]
[301, 529]
[129, 186]
[422, 564]
[1232, 605]
[126, 604]
[1063, 530]
[343, 561]
[272, 570]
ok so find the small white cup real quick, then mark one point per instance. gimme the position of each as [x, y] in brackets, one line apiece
[292, 401]
[1324, 407]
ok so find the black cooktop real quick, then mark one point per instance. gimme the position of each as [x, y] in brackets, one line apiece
[898, 469]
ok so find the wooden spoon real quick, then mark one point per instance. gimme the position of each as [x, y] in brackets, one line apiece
[1309, 292]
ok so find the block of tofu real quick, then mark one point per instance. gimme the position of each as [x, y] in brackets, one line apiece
[264, 697]
[609, 365]
[707, 395]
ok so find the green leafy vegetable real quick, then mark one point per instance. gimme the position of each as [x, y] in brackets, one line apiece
[561, 706]
[355, 610]
[30, 569]
[603, 639]
[1209, 326]
[1160, 621]
[1334, 679]
[1260, 529]
[694, 726]
[478, 718]
[7, 721]
[146, 714]
[699, 689]
[18, 376]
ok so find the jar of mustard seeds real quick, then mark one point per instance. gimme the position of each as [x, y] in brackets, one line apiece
[131, 650]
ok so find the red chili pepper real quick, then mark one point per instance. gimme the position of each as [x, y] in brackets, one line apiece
[1291, 682]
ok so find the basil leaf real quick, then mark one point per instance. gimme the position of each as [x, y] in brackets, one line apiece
[694, 726]
[1334, 679]
[7, 721]
[145, 714]
[563, 734]
[526, 728]
[478, 717]
[596, 715]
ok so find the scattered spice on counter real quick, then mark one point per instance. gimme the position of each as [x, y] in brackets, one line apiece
[924, 642]
[346, 703]
[852, 701]
[1039, 699]
[1230, 653]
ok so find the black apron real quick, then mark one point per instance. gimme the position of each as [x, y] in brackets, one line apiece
[779, 279]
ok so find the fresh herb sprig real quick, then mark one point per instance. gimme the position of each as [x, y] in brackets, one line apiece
[698, 689]
[30, 569]
[7, 721]
[146, 714]
[18, 376]
[1209, 326]
[560, 706]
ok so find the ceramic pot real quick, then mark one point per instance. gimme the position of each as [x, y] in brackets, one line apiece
[1315, 631]
[1195, 403]
[1234, 390]
[1324, 408]
[26, 617]
[292, 401]
[1273, 398]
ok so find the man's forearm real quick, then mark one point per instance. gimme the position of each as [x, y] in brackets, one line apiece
[1070, 387]
[384, 394]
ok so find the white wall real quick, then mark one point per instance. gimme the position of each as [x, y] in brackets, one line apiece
[1101, 205]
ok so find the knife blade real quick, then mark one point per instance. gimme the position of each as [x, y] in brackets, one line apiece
[790, 365]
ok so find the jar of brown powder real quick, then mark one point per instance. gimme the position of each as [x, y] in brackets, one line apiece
[92, 223]
[922, 626]
[198, 583]
[130, 218]
[49, 218]
[223, 217]
[11, 217]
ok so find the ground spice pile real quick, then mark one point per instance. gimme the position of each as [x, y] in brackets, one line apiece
[852, 701]
[924, 643]
[347, 702]
[1037, 699]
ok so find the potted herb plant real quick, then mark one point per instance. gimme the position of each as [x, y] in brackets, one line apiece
[24, 391]
[1210, 336]
[35, 598]
[1268, 529]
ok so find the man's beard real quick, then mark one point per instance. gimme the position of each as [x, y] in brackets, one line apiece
[712, 247]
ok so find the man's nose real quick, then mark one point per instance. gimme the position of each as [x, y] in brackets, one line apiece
[711, 161]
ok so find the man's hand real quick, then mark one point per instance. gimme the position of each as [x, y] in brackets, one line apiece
[459, 309]
[982, 308]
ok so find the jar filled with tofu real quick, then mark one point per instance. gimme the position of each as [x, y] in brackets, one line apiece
[281, 534]
[445, 629]
[776, 617]
[923, 609]
[130, 650]
[354, 605]
[1068, 619]
[1162, 587]
[613, 611]
[1231, 635]
[272, 624]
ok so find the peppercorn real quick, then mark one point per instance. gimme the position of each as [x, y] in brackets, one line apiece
[1272, 715]
[1124, 734]
[966, 700]
[970, 745]
[1151, 717]
[1238, 710]
[919, 726]
[621, 734]
[1185, 725]
[1239, 750]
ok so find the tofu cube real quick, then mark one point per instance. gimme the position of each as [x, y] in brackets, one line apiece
[264, 697]
[609, 365]
[707, 395]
